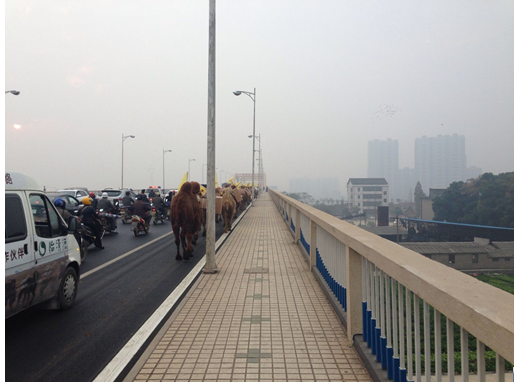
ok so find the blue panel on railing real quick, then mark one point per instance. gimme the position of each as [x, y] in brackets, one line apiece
[292, 226]
[364, 326]
[389, 351]
[373, 336]
[403, 375]
[377, 341]
[383, 350]
[370, 336]
[304, 242]
[287, 216]
[396, 369]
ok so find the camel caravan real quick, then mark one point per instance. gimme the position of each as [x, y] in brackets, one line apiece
[188, 212]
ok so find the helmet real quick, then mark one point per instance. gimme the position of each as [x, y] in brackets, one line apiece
[127, 192]
[139, 197]
[59, 202]
[105, 195]
[86, 201]
[92, 194]
[157, 193]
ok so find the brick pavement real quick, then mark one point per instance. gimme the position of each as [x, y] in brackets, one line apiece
[263, 317]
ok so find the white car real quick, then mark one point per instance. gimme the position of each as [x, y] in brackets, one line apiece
[76, 193]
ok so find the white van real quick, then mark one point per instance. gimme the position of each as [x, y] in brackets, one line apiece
[42, 257]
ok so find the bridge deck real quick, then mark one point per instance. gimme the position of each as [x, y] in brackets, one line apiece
[263, 317]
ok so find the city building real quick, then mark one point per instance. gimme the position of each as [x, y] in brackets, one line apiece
[440, 160]
[427, 212]
[383, 162]
[472, 257]
[367, 194]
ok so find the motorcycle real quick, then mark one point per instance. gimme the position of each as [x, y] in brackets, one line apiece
[139, 225]
[87, 238]
[105, 221]
[157, 216]
[126, 215]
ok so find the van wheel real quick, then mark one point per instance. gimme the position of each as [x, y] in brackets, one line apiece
[68, 288]
[84, 250]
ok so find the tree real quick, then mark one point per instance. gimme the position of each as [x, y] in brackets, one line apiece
[418, 194]
[488, 200]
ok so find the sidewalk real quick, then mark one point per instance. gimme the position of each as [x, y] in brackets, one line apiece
[263, 317]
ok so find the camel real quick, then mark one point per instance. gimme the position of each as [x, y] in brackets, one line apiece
[228, 208]
[184, 217]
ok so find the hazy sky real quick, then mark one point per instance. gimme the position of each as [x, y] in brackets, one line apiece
[89, 71]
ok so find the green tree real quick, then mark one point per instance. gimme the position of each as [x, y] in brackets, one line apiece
[418, 194]
[488, 200]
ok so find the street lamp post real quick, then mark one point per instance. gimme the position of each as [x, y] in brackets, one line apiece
[254, 98]
[163, 176]
[15, 92]
[189, 169]
[123, 137]
[210, 242]
[259, 181]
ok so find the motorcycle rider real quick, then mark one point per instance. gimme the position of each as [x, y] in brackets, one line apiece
[151, 194]
[143, 196]
[60, 206]
[88, 216]
[94, 200]
[158, 203]
[106, 205]
[128, 202]
[141, 209]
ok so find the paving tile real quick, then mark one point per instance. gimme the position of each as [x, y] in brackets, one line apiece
[263, 317]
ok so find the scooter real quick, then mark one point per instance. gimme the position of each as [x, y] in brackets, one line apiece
[87, 238]
[139, 225]
[126, 215]
[105, 220]
[157, 216]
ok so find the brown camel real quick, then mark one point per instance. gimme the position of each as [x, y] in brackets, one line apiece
[184, 217]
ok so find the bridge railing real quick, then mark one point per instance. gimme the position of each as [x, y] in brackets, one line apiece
[418, 317]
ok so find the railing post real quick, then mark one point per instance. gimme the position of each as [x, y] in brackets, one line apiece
[297, 225]
[354, 293]
[314, 244]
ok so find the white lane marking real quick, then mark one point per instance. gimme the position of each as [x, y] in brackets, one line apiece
[125, 355]
[122, 256]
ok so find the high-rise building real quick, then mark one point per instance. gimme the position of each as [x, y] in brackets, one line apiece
[383, 162]
[440, 160]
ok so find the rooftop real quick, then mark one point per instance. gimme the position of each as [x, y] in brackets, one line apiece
[367, 181]
[469, 248]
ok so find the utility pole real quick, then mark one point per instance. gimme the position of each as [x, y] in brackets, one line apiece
[210, 246]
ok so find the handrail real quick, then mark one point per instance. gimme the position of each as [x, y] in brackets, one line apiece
[483, 310]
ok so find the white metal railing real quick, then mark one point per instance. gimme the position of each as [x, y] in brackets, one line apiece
[418, 317]
[305, 232]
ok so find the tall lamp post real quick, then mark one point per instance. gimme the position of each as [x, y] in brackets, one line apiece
[210, 240]
[189, 169]
[259, 181]
[163, 176]
[123, 137]
[253, 96]
[15, 92]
